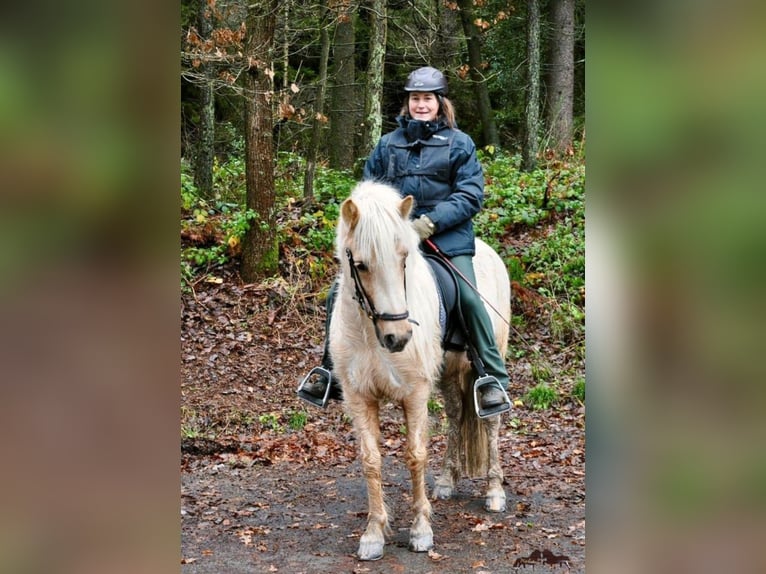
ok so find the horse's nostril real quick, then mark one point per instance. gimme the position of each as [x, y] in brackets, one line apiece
[395, 344]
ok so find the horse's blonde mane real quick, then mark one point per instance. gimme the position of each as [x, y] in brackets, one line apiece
[379, 216]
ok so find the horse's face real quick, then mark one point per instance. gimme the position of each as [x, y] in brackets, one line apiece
[378, 252]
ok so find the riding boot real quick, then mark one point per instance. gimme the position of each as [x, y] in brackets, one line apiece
[320, 385]
[491, 388]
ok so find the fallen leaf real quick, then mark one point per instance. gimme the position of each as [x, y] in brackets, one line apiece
[433, 555]
[246, 538]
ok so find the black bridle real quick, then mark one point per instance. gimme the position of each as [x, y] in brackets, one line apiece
[364, 299]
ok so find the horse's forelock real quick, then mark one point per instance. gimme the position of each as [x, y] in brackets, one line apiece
[380, 227]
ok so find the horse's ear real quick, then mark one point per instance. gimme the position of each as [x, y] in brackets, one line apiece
[350, 213]
[406, 206]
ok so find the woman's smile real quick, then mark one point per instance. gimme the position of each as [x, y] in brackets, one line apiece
[423, 106]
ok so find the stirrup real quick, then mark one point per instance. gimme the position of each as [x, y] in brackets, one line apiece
[494, 410]
[316, 401]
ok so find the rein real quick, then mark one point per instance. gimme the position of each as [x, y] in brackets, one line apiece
[366, 303]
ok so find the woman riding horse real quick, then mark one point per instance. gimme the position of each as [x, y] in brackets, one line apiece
[429, 158]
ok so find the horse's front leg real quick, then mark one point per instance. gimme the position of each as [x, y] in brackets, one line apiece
[494, 500]
[367, 429]
[416, 415]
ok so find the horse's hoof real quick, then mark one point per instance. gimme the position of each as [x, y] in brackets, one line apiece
[422, 543]
[495, 504]
[442, 492]
[370, 551]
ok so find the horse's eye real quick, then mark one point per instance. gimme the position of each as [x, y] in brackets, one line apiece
[361, 267]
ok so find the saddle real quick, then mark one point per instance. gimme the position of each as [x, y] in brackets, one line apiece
[454, 337]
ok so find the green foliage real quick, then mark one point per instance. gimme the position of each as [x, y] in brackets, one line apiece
[541, 372]
[541, 396]
[288, 177]
[435, 406]
[203, 257]
[547, 207]
[192, 425]
[567, 321]
[270, 421]
[578, 391]
[556, 262]
[312, 235]
[297, 420]
[229, 181]
[224, 217]
[514, 199]
[189, 192]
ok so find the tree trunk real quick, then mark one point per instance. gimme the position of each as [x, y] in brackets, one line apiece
[286, 44]
[373, 115]
[561, 88]
[260, 250]
[532, 116]
[343, 113]
[319, 117]
[203, 160]
[446, 45]
[489, 130]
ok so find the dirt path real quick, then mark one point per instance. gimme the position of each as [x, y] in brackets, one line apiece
[281, 518]
[269, 484]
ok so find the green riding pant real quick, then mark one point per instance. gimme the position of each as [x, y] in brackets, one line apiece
[478, 322]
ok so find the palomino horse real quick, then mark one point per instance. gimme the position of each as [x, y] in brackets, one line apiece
[385, 341]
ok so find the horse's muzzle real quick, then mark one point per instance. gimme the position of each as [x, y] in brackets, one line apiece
[395, 343]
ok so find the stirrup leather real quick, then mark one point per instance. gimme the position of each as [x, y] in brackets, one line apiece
[496, 409]
[324, 374]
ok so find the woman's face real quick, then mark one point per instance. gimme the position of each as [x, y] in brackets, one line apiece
[423, 106]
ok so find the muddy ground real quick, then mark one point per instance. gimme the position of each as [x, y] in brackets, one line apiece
[271, 484]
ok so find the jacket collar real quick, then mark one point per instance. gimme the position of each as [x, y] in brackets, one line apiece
[418, 129]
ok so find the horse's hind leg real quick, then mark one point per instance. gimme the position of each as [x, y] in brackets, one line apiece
[416, 415]
[367, 429]
[450, 471]
[495, 497]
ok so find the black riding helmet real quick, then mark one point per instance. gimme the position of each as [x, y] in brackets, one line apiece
[426, 79]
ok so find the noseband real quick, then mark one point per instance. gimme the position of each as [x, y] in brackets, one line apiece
[364, 299]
